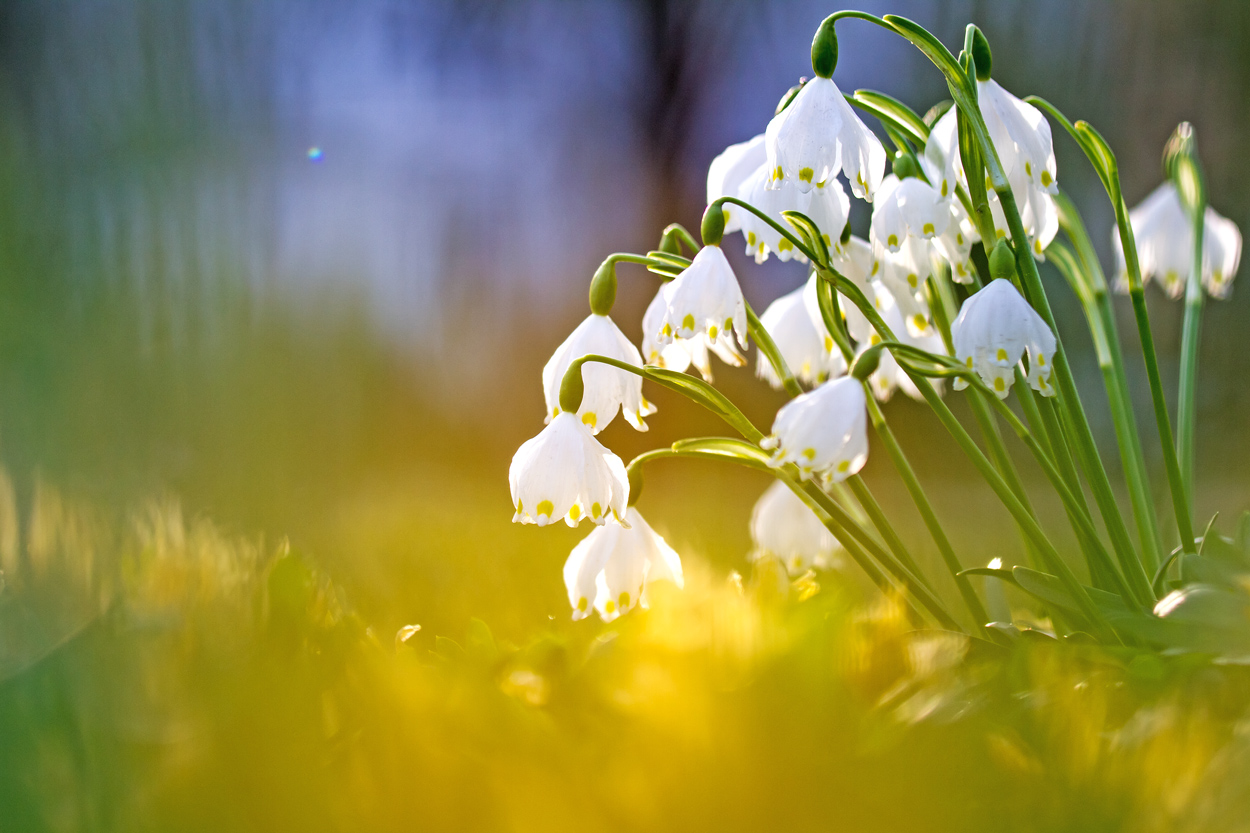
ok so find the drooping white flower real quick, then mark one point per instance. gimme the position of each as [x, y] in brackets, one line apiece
[817, 136]
[1039, 214]
[858, 264]
[827, 205]
[1165, 244]
[607, 389]
[800, 336]
[705, 299]
[823, 432]
[995, 328]
[955, 246]
[610, 568]
[681, 353]
[903, 275]
[1021, 135]
[889, 375]
[940, 161]
[564, 472]
[908, 208]
[785, 528]
[727, 173]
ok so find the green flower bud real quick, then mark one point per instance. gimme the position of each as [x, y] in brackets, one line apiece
[787, 98]
[572, 388]
[1182, 166]
[1002, 261]
[866, 364]
[825, 49]
[634, 473]
[846, 234]
[981, 55]
[603, 288]
[713, 228]
[905, 166]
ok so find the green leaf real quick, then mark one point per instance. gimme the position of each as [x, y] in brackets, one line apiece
[933, 48]
[1051, 590]
[892, 111]
[1004, 575]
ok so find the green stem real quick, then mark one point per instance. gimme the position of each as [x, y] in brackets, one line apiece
[678, 230]
[1084, 275]
[1104, 162]
[1191, 330]
[879, 520]
[764, 341]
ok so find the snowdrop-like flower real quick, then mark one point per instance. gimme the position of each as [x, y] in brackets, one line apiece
[607, 389]
[817, 136]
[827, 205]
[857, 263]
[1021, 135]
[801, 337]
[889, 375]
[824, 431]
[611, 567]
[1165, 244]
[727, 173]
[903, 275]
[681, 353]
[783, 527]
[1039, 214]
[994, 329]
[705, 299]
[908, 208]
[564, 472]
[940, 161]
[955, 246]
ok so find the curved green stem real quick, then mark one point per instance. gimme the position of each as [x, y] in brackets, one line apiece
[679, 231]
[764, 341]
[1103, 159]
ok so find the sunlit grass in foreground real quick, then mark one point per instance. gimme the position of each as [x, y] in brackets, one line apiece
[161, 674]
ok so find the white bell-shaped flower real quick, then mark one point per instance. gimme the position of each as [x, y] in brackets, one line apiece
[800, 336]
[955, 246]
[817, 136]
[564, 472]
[889, 375]
[1039, 214]
[610, 569]
[823, 432]
[908, 208]
[783, 527]
[727, 173]
[607, 389]
[681, 353]
[827, 205]
[903, 275]
[1165, 244]
[995, 328]
[705, 299]
[829, 208]
[1021, 135]
[940, 161]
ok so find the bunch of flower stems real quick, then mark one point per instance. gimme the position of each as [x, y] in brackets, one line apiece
[946, 287]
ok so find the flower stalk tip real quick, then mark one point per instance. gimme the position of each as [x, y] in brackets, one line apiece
[1002, 261]
[572, 388]
[712, 229]
[825, 49]
[603, 288]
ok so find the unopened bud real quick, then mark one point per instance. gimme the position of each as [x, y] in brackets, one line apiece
[1002, 261]
[634, 474]
[905, 166]
[825, 49]
[1180, 161]
[713, 228]
[866, 363]
[981, 54]
[603, 288]
[572, 388]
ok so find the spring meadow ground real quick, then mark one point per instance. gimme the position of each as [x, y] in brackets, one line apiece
[275, 302]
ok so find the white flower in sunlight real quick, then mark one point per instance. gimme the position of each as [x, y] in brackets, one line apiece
[1021, 135]
[903, 275]
[908, 208]
[822, 432]
[827, 205]
[1039, 214]
[564, 472]
[705, 299]
[681, 353]
[794, 322]
[729, 170]
[995, 328]
[889, 375]
[955, 246]
[607, 389]
[817, 136]
[1165, 244]
[785, 528]
[829, 208]
[610, 568]
[940, 160]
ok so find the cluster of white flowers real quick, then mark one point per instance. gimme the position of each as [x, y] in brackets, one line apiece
[920, 230]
